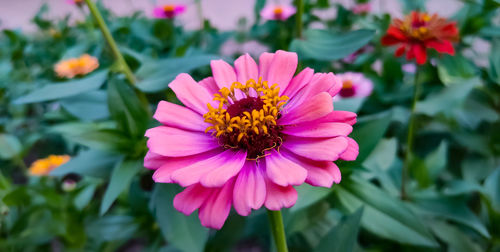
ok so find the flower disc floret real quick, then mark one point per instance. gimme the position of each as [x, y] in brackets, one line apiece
[247, 122]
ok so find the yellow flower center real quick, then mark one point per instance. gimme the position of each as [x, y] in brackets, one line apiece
[278, 11]
[417, 27]
[247, 122]
[169, 8]
[347, 84]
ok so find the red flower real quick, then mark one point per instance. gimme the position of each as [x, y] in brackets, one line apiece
[419, 31]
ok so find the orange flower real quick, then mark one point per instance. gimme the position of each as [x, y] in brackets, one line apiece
[76, 66]
[42, 167]
[419, 31]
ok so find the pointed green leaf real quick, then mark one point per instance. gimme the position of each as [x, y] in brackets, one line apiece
[327, 45]
[183, 232]
[343, 236]
[121, 177]
[64, 89]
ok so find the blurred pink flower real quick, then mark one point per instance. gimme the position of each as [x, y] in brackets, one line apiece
[277, 12]
[409, 68]
[168, 11]
[77, 2]
[248, 135]
[362, 8]
[354, 85]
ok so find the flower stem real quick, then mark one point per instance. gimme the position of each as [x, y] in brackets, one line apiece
[410, 136]
[278, 230]
[122, 64]
[298, 17]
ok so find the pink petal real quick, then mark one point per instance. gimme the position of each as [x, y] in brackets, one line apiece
[158, 12]
[153, 161]
[246, 68]
[220, 175]
[223, 73]
[338, 116]
[328, 129]
[191, 94]
[317, 107]
[288, 11]
[214, 212]
[319, 173]
[191, 199]
[265, 60]
[282, 68]
[192, 174]
[320, 82]
[171, 164]
[177, 116]
[352, 151]
[282, 171]
[279, 196]
[336, 87]
[173, 142]
[317, 149]
[210, 84]
[249, 189]
[298, 82]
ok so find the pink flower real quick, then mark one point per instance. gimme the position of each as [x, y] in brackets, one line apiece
[168, 11]
[354, 85]
[277, 12]
[362, 8]
[76, 2]
[248, 135]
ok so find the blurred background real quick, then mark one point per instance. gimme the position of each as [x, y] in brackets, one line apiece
[17, 14]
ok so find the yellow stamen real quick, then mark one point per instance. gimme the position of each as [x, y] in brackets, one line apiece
[253, 122]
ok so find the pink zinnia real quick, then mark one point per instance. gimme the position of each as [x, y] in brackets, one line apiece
[168, 10]
[77, 2]
[362, 8]
[248, 135]
[277, 12]
[354, 85]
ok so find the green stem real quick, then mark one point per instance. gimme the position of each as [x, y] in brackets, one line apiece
[410, 136]
[298, 17]
[278, 230]
[124, 68]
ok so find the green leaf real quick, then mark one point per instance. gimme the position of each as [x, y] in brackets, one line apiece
[121, 177]
[383, 156]
[88, 106]
[451, 208]
[491, 31]
[92, 163]
[183, 232]
[368, 132]
[328, 46]
[343, 236]
[308, 195]
[494, 70]
[436, 160]
[492, 188]
[64, 89]
[449, 99]
[126, 108]
[457, 240]
[383, 215]
[155, 75]
[349, 104]
[84, 196]
[10, 146]
[454, 69]
[111, 228]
